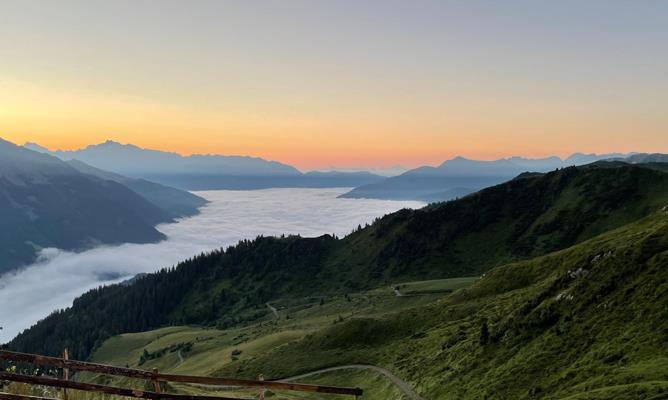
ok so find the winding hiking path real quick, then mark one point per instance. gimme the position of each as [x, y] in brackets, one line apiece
[403, 386]
[273, 310]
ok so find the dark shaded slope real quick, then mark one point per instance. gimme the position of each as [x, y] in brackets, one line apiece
[178, 203]
[46, 203]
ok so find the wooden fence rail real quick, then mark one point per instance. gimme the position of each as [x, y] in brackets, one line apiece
[90, 387]
[7, 396]
[154, 376]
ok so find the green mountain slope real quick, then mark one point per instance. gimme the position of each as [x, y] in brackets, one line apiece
[531, 215]
[524, 218]
[588, 322]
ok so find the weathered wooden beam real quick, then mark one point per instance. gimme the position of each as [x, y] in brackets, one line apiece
[89, 387]
[74, 365]
[210, 381]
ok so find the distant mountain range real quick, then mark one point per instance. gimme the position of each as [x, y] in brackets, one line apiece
[133, 161]
[45, 202]
[204, 172]
[460, 176]
[452, 179]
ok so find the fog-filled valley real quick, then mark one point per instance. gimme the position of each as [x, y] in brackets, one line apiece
[60, 276]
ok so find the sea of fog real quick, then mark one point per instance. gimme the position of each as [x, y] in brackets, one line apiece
[60, 276]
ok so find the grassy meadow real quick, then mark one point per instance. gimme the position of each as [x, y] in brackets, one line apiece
[192, 350]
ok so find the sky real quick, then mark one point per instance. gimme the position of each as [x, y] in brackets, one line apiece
[346, 83]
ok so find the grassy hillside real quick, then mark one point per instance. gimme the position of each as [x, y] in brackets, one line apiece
[203, 350]
[527, 217]
[588, 322]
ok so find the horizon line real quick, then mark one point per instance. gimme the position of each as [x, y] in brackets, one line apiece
[348, 168]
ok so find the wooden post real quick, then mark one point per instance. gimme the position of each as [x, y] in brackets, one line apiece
[66, 371]
[156, 383]
[262, 390]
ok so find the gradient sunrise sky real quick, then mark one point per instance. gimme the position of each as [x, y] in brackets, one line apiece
[338, 83]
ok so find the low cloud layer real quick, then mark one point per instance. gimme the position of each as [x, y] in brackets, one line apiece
[60, 276]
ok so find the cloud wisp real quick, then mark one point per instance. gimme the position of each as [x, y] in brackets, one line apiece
[60, 276]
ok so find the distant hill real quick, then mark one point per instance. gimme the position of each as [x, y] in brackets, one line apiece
[526, 217]
[645, 158]
[44, 202]
[178, 203]
[460, 176]
[203, 172]
[588, 158]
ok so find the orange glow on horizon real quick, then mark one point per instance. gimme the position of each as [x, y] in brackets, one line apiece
[311, 139]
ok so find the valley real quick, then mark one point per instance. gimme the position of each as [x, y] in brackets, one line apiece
[228, 217]
[569, 287]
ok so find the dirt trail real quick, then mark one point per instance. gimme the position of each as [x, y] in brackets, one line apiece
[273, 310]
[403, 386]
